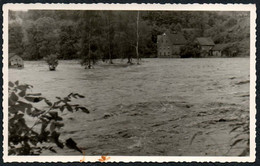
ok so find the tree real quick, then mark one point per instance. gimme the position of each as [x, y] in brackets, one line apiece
[178, 27]
[67, 40]
[189, 50]
[88, 25]
[52, 61]
[109, 33]
[47, 36]
[137, 38]
[41, 38]
[15, 39]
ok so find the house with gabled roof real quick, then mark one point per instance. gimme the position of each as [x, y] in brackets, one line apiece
[15, 61]
[205, 44]
[227, 50]
[169, 44]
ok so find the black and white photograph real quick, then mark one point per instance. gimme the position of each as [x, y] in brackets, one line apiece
[126, 82]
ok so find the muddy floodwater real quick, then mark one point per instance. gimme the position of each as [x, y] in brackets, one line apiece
[163, 107]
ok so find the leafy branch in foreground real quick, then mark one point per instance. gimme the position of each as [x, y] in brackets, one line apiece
[25, 138]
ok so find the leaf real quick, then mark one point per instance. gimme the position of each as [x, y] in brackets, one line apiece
[55, 116]
[71, 94]
[43, 127]
[23, 104]
[24, 87]
[70, 143]
[34, 99]
[34, 94]
[80, 96]
[22, 93]
[10, 84]
[13, 97]
[16, 82]
[59, 125]
[57, 102]
[11, 102]
[83, 109]
[19, 116]
[55, 136]
[52, 127]
[29, 111]
[12, 110]
[34, 140]
[48, 102]
[58, 98]
[69, 108]
[52, 150]
[19, 107]
[36, 112]
[62, 108]
[66, 99]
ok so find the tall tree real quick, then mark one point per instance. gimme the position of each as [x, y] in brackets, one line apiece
[137, 38]
[68, 40]
[109, 32]
[15, 40]
[89, 27]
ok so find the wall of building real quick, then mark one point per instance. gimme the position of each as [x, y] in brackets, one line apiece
[16, 61]
[164, 47]
[216, 53]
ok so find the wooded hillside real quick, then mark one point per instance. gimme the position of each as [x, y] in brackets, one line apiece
[35, 34]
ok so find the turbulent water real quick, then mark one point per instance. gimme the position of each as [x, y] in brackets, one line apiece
[186, 107]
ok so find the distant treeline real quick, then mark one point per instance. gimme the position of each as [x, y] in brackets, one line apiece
[72, 34]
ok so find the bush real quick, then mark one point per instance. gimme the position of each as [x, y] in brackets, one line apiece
[25, 139]
[52, 61]
[189, 50]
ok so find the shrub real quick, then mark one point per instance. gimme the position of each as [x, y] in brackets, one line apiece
[189, 50]
[31, 139]
[52, 61]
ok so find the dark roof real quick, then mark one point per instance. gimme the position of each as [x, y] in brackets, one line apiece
[176, 38]
[219, 47]
[13, 55]
[205, 41]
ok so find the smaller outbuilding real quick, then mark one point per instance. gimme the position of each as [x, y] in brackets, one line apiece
[205, 44]
[218, 50]
[224, 50]
[15, 61]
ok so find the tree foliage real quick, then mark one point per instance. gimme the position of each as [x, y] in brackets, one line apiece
[190, 50]
[52, 61]
[27, 138]
[93, 35]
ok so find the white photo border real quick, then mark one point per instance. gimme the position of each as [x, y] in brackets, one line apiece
[164, 7]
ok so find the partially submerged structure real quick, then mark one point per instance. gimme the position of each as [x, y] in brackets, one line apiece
[169, 44]
[227, 50]
[218, 50]
[205, 44]
[15, 61]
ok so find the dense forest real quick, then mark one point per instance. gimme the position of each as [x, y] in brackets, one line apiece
[74, 34]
